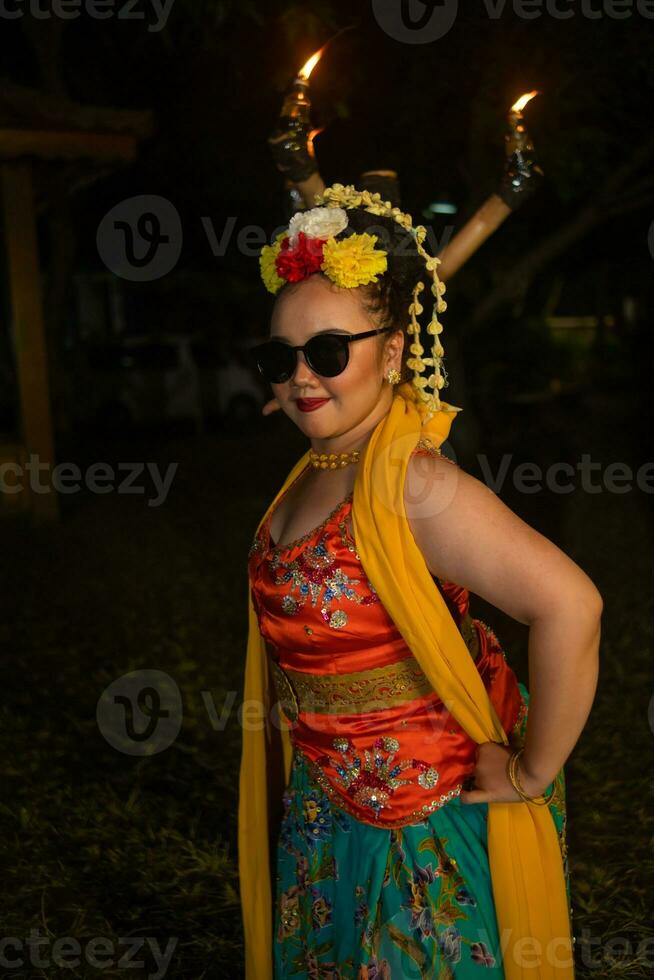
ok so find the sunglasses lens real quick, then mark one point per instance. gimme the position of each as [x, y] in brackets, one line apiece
[327, 355]
[276, 361]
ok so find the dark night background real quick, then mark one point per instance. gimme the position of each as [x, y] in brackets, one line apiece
[549, 331]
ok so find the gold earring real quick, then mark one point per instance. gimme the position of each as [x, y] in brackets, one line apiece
[393, 376]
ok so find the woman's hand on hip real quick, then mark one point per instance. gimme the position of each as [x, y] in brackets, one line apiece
[490, 780]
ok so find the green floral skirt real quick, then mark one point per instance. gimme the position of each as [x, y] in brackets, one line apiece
[370, 903]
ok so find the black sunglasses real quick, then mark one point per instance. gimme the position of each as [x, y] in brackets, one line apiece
[327, 354]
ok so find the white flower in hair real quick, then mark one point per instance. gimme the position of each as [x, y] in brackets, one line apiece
[317, 223]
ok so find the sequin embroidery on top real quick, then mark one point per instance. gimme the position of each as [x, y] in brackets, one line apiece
[346, 533]
[373, 782]
[316, 576]
[257, 545]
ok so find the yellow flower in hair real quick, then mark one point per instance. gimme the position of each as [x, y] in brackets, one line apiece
[353, 261]
[267, 259]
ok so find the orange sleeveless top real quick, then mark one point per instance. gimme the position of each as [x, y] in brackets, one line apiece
[380, 743]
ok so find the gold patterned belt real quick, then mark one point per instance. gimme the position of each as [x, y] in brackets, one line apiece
[363, 690]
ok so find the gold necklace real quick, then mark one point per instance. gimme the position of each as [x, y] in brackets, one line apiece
[332, 461]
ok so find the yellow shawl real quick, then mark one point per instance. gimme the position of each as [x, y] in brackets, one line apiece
[524, 853]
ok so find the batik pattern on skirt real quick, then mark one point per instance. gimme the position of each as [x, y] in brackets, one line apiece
[359, 902]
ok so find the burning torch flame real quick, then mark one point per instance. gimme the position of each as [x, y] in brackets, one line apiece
[522, 101]
[307, 68]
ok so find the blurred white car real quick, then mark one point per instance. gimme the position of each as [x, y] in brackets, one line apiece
[231, 388]
[145, 381]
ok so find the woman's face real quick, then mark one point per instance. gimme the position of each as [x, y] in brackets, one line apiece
[315, 305]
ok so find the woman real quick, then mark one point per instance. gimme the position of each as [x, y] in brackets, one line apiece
[419, 833]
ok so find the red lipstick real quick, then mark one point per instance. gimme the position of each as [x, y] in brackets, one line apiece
[310, 404]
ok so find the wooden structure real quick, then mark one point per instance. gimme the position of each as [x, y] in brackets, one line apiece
[40, 134]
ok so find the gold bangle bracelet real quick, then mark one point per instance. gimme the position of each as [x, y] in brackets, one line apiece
[512, 772]
[538, 800]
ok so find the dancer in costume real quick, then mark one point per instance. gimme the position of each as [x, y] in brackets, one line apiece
[402, 800]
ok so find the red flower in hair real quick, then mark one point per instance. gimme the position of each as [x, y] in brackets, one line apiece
[294, 264]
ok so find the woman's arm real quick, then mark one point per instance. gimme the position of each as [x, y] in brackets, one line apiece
[468, 536]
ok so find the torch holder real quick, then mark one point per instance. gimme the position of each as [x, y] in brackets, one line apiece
[291, 146]
[522, 175]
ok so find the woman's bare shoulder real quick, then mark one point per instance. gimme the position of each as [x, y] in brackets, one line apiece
[434, 491]
[467, 535]
[431, 480]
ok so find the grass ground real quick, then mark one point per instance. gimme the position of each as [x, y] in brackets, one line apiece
[102, 844]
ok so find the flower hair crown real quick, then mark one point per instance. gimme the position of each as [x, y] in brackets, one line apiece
[309, 245]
